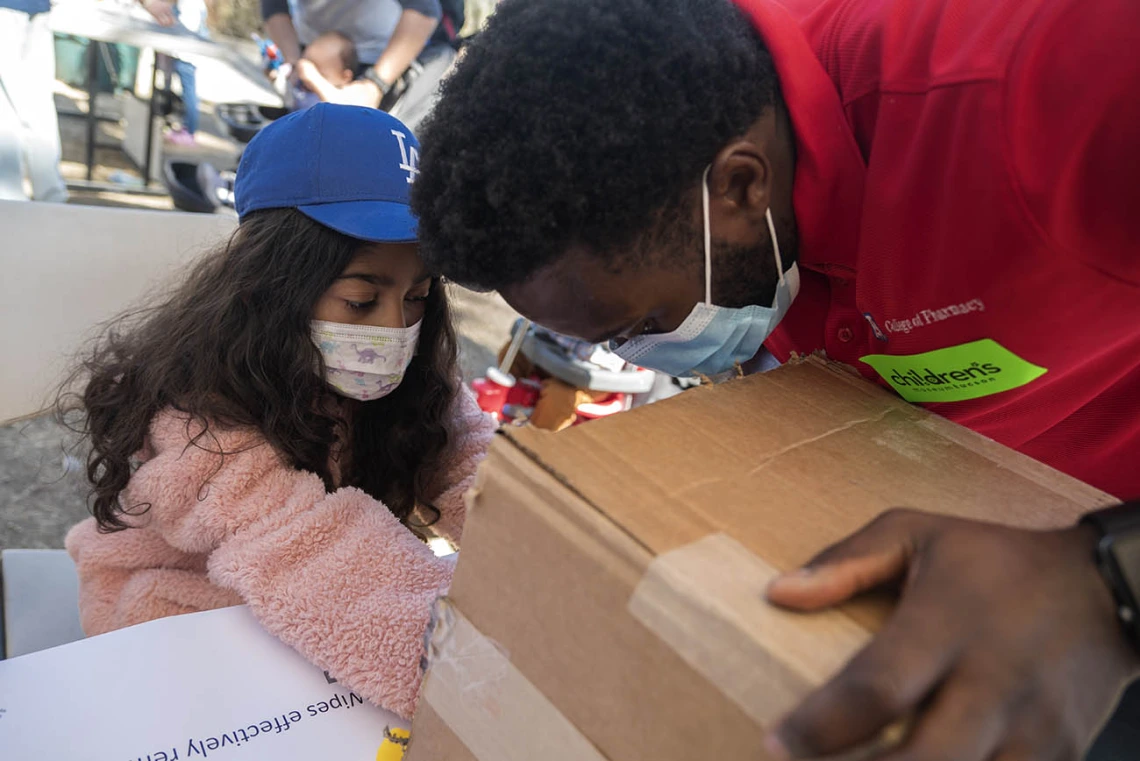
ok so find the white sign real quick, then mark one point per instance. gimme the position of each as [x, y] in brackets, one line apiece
[210, 685]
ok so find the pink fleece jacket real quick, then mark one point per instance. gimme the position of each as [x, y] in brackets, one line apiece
[334, 575]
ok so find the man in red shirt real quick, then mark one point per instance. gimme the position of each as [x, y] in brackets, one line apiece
[940, 193]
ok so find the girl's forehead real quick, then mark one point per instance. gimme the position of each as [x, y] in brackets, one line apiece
[394, 261]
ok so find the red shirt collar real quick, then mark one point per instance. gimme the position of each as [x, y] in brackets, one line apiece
[827, 193]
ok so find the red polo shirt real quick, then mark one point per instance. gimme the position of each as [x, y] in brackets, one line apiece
[967, 193]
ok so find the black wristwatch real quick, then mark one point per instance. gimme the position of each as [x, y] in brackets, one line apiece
[371, 75]
[1118, 556]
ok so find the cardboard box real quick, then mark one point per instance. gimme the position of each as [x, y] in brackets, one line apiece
[608, 599]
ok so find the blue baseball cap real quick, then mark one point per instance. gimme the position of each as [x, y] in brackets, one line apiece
[347, 167]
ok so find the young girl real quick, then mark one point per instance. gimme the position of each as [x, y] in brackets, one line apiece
[279, 431]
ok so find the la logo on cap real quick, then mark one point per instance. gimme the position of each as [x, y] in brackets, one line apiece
[409, 156]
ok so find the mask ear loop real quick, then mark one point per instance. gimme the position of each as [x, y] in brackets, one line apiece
[775, 245]
[708, 235]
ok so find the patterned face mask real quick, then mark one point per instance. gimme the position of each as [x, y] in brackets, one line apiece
[363, 362]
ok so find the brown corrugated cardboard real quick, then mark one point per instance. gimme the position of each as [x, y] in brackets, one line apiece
[616, 568]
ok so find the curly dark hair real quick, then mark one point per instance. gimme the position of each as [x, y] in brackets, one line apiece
[231, 347]
[581, 122]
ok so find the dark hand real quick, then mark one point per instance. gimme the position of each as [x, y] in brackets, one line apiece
[1004, 644]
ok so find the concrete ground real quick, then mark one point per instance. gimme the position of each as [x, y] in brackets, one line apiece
[42, 487]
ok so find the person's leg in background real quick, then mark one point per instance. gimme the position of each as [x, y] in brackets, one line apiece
[42, 149]
[191, 14]
[29, 126]
[13, 31]
[11, 146]
[186, 76]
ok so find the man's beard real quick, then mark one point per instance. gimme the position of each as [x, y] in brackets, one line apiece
[744, 275]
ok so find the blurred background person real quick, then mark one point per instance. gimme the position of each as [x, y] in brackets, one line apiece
[29, 127]
[327, 64]
[404, 47]
[192, 15]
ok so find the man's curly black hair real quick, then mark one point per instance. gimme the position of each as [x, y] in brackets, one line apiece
[581, 122]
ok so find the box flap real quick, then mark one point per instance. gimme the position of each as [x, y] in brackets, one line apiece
[790, 460]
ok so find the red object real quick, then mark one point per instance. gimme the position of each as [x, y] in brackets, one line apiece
[499, 400]
[604, 407]
[968, 169]
[493, 397]
[490, 395]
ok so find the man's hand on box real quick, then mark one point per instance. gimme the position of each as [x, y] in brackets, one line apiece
[1004, 645]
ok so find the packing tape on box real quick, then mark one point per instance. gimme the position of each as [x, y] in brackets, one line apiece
[706, 601]
[487, 702]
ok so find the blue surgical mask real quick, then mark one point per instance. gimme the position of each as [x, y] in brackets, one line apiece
[715, 339]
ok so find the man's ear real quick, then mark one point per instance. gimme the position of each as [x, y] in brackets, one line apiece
[347, 76]
[741, 180]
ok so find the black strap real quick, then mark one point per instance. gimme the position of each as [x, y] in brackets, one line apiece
[1115, 519]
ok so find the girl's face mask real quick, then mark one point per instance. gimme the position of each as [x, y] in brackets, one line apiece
[364, 362]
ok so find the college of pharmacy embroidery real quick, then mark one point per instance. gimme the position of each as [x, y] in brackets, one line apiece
[955, 374]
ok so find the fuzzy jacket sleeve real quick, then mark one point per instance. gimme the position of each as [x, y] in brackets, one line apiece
[471, 434]
[128, 577]
[334, 575]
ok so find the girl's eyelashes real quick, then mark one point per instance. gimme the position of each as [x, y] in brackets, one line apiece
[419, 294]
[360, 305]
